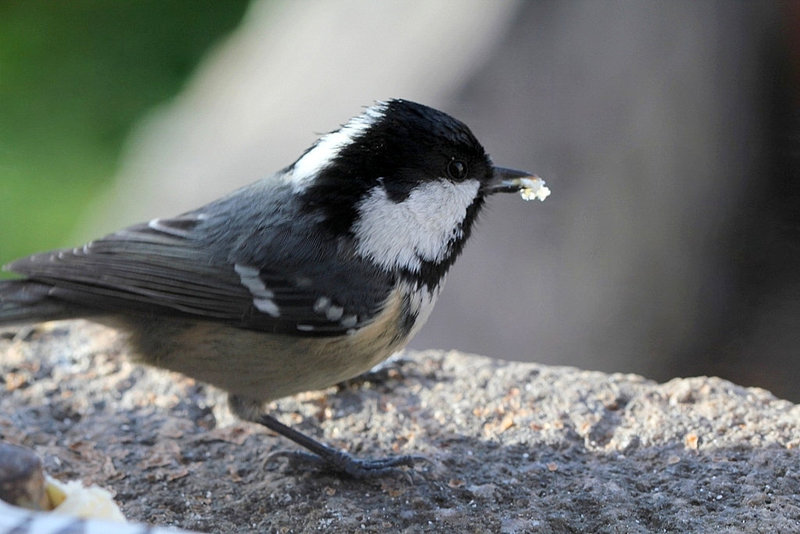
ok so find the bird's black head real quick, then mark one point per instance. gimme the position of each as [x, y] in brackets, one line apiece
[404, 180]
[412, 144]
[398, 144]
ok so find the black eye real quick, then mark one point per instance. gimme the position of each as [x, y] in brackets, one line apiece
[457, 169]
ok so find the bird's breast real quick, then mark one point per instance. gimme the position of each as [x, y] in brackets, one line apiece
[264, 366]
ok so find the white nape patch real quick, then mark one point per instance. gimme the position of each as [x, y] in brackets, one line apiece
[249, 276]
[420, 228]
[328, 146]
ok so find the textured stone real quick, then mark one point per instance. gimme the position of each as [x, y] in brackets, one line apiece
[513, 447]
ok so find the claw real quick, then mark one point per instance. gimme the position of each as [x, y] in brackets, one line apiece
[343, 462]
[321, 454]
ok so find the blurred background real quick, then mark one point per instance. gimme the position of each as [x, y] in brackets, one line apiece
[668, 133]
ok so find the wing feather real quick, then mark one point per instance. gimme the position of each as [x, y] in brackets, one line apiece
[167, 267]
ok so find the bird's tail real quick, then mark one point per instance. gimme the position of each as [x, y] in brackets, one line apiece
[24, 301]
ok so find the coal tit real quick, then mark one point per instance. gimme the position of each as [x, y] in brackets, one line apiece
[296, 282]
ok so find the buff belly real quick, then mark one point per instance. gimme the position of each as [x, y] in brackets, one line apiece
[262, 366]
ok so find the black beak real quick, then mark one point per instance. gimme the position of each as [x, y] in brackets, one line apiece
[506, 181]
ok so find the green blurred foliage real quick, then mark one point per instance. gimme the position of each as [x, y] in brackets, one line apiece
[74, 78]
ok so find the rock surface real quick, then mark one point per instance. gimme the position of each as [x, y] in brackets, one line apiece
[513, 447]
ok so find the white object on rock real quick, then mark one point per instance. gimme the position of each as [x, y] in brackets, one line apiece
[72, 498]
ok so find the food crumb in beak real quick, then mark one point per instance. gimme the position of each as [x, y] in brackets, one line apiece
[531, 188]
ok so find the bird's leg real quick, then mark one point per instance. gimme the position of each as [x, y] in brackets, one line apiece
[332, 458]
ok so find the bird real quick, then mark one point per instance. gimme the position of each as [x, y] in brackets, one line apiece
[296, 282]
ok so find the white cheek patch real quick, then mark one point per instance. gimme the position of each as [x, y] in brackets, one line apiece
[422, 227]
[328, 147]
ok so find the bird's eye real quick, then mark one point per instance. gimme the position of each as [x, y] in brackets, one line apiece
[457, 169]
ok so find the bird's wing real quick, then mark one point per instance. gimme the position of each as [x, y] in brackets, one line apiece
[165, 267]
